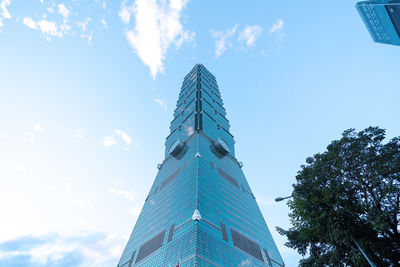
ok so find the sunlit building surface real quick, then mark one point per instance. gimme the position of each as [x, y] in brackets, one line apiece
[200, 210]
[382, 19]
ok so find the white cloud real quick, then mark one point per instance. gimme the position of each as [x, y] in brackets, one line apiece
[28, 21]
[250, 34]
[124, 136]
[64, 21]
[126, 194]
[49, 28]
[29, 138]
[79, 136]
[135, 210]
[65, 27]
[67, 187]
[157, 27]
[3, 9]
[38, 128]
[89, 37]
[84, 24]
[41, 1]
[83, 203]
[104, 22]
[63, 10]
[277, 26]
[223, 40]
[125, 12]
[2, 136]
[109, 141]
[161, 102]
[21, 167]
[84, 28]
[4, 13]
[55, 249]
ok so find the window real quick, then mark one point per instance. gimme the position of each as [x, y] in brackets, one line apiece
[150, 246]
[169, 179]
[228, 177]
[247, 245]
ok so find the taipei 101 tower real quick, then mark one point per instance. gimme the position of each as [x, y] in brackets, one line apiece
[200, 210]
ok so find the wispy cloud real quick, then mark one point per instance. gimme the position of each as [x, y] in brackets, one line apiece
[21, 167]
[157, 27]
[4, 13]
[83, 203]
[38, 128]
[28, 21]
[60, 20]
[111, 140]
[48, 28]
[162, 103]
[223, 41]
[277, 32]
[250, 34]
[124, 136]
[104, 22]
[126, 194]
[67, 187]
[53, 249]
[79, 136]
[135, 210]
[277, 26]
[125, 12]
[84, 24]
[63, 10]
[88, 37]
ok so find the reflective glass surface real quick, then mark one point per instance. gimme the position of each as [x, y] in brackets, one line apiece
[230, 230]
[382, 19]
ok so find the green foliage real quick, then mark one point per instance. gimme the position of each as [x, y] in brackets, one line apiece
[350, 192]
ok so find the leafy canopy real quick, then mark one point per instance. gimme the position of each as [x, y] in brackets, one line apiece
[350, 192]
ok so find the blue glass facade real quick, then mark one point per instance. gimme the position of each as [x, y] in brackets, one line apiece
[200, 210]
[382, 19]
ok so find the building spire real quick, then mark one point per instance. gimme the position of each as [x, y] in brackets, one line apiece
[200, 175]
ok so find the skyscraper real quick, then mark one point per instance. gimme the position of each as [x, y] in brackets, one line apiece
[200, 210]
[382, 19]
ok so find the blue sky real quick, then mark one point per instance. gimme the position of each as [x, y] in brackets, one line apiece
[87, 91]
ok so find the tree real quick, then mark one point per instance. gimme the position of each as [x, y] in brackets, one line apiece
[348, 194]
